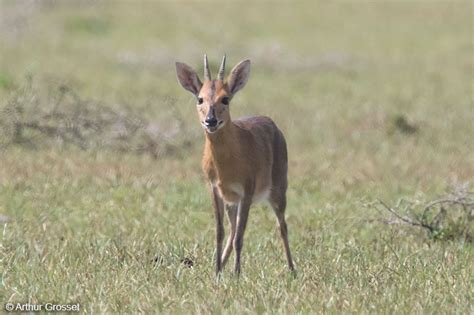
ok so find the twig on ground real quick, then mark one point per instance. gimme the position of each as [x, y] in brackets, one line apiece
[445, 218]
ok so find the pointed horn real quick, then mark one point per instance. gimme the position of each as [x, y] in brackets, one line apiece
[220, 75]
[207, 73]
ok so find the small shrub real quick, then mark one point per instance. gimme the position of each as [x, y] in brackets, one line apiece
[401, 124]
[64, 119]
[450, 217]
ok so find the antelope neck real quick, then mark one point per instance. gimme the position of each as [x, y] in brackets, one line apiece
[223, 142]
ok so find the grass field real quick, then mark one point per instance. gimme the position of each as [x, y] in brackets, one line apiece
[375, 100]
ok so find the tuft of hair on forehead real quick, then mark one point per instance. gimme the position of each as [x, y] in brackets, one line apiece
[213, 88]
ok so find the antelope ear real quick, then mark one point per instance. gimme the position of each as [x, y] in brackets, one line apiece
[188, 78]
[238, 76]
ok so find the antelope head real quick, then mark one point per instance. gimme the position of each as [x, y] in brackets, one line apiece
[213, 96]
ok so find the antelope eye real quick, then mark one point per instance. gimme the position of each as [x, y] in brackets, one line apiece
[225, 101]
[200, 100]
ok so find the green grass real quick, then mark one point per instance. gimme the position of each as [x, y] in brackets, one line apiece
[344, 81]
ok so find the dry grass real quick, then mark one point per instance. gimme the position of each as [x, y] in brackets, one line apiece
[375, 100]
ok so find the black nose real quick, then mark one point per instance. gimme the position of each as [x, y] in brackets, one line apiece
[211, 122]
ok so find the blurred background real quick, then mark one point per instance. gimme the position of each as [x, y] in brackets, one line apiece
[98, 141]
[379, 84]
[341, 79]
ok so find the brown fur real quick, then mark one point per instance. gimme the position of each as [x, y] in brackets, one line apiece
[247, 145]
[243, 159]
